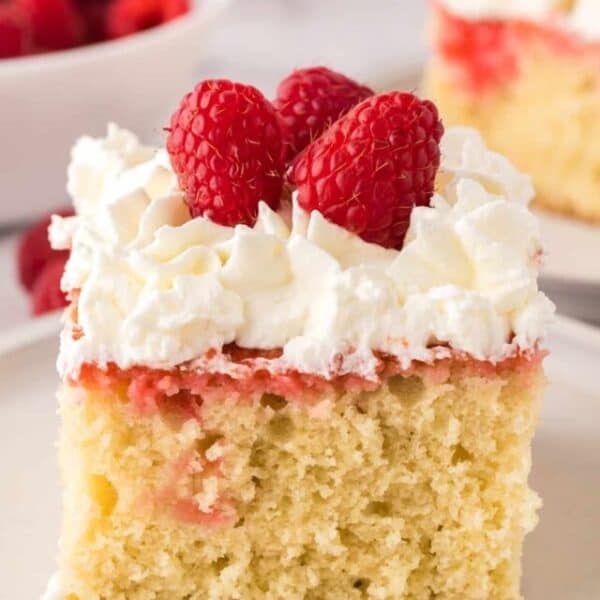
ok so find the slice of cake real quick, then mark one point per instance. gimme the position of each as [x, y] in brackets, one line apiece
[527, 75]
[274, 391]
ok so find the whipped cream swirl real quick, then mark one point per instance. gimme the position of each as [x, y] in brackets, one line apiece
[158, 288]
[582, 19]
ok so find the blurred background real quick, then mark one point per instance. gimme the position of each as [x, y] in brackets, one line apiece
[54, 93]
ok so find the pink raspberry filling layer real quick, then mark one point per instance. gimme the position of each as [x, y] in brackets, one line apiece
[484, 54]
[185, 389]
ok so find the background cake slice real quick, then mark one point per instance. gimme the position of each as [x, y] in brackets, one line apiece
[298, 398]
[527, 75]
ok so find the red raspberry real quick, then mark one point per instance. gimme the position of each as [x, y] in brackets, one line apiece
[130, 16]
[47, 295]
[34, 251]
[93, 14]
[55, 24]
[310, 100]
[373, 166]
[14, 37]
[226, 147]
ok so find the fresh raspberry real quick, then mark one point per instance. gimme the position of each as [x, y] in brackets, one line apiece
[55, 24]
[130, 16]
[34, 251]
[226, 147]
[14, 38]
[47, 295]
[373, 166]
[93, 15]
[310, 100]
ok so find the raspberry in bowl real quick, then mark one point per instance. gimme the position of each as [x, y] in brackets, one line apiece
[298, 372]
[40, 268]
[30, 27]
[53, 96]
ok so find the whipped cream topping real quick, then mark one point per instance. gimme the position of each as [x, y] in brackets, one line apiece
[583, 18]
[158, 288]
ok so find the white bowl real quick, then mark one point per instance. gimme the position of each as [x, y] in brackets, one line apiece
[47, 101]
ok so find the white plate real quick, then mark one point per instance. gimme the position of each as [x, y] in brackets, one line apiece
[571, 275]
[572, 249]
[562, 556]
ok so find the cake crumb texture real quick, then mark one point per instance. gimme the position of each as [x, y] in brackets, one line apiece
[414, 491]
[546, 120]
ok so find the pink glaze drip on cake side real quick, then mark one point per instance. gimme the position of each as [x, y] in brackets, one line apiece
[184, 389]
[484, 54]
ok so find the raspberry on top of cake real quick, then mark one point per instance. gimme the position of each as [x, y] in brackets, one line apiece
[162, 274]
